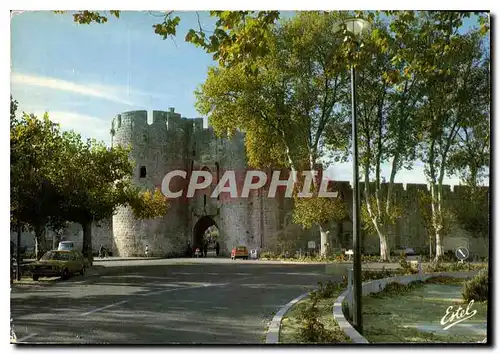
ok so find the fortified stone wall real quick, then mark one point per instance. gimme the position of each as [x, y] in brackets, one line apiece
[102, 234]
[157, 148]
[171, 142]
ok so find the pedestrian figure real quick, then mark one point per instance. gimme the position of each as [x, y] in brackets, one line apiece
[147, 251]
[101, 251]
[217, 248]
[197, 252]
[205, 249]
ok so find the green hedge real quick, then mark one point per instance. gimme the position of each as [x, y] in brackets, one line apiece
[477, 288]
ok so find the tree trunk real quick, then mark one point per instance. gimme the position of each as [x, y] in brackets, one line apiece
[437, 218]
[38, 238]
[324, 241]
[340, 234]
[439, 226]
[439, 246]
[384, 248]
[18, 252]
[430, 245]
[87, 239]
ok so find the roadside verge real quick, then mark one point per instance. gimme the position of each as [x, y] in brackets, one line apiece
[273, 331]
[376, 286]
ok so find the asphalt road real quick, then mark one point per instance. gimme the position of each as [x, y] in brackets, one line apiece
[207, 301]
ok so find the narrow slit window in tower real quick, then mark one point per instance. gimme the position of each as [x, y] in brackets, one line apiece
[143, 172]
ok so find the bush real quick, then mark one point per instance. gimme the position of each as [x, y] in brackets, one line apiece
[449, 256]
[397, 288]
[452, 267]
[267, 255]
[406, 266]
[370, 258]
[435, 267]
[367, 274]
[327, 290]
[445, 280]
[340, 258]
[311, 329]
[477, 288]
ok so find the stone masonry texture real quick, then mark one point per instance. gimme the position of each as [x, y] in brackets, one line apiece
[170, 142]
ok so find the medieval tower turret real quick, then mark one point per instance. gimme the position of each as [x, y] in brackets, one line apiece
[170, 143]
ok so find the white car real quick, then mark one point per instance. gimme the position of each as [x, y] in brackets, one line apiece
[66, 246]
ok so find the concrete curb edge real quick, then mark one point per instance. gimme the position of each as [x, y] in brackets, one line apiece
[273, 331]
[375, 286]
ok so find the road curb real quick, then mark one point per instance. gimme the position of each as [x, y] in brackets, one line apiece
[273, 331]
[375, 286]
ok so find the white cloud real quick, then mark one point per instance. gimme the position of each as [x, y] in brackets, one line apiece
[120, 94]
[86, 126]
[99, 91]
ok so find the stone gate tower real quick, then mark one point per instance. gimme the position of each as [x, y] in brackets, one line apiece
[171, 142]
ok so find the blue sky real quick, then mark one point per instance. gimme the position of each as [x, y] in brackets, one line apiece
[83, 75]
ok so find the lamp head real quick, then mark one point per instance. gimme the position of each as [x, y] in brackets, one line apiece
[357, 26]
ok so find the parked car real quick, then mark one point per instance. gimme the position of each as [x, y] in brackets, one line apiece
[66, 246]
[407, 251]
[239, 252]
[58, 263]
[87, 261]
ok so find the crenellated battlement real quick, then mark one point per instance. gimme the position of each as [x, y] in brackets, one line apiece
[133, 118]
[133, 121]
[409, 190]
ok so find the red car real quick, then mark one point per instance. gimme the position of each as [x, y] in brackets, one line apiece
[239, 252]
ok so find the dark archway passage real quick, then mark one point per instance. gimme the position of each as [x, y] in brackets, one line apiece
[200, 227]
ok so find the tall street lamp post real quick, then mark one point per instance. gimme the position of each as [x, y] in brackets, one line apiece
[357, 27]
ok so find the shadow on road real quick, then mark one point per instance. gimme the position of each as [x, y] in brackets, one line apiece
[203, 303]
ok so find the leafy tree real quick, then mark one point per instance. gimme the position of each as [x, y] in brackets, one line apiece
[95, 180]
[319, 211]
[286, 106]
[470, 157]
[236, 35]
[56, 177]
[13, 109]
[387, 95]
[447, 110]
[444, 60]
[398, 69]
[472, 212]
[424, 202]
[147, 204]
[35, 147]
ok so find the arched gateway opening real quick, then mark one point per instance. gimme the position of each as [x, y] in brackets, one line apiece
[205, 232]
